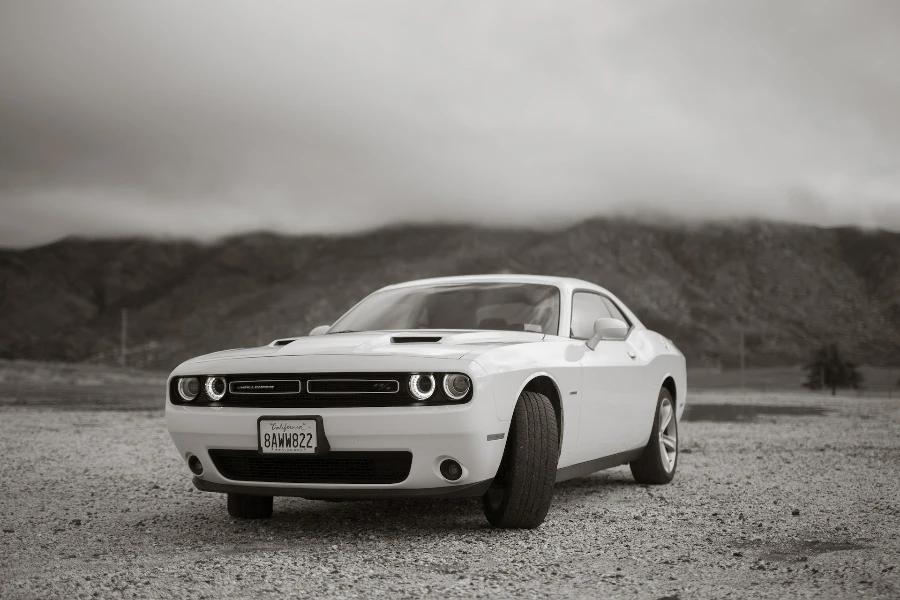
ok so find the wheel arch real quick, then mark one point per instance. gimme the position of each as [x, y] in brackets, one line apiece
[544, 383]
[676, 386]
[669, 384]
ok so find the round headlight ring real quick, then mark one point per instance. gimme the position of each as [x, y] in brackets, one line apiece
[416, 383]
[188, 388]
[215, 388]
[456, 385]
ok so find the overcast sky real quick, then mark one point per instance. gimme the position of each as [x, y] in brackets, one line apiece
[196, 118]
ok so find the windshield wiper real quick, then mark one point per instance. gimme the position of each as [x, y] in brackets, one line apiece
[343, 331]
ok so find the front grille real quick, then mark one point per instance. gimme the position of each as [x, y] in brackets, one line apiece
[334, 467]
[316, 390]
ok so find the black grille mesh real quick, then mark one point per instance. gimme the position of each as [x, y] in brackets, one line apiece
[334, 467]
[349, 386]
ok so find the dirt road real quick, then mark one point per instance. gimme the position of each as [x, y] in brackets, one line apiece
[801, 504]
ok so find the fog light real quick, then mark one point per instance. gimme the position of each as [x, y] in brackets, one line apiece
[451, 470]
[421, 386]
[188, 388]
[195, 465]
[215, 388]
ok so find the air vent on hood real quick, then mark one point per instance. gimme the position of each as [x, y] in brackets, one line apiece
[409, 339]
[283, 342]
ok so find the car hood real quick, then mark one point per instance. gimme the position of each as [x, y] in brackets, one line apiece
[417, 342]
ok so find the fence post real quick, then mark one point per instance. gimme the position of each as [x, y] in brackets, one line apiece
[124, 345]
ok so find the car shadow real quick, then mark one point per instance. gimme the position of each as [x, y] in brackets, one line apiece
[315, 521]
[361, 521]
[605, 480]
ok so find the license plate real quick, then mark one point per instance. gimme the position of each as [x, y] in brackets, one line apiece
[287, 436]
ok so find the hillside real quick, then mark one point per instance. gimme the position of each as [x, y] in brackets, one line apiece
[788, 287]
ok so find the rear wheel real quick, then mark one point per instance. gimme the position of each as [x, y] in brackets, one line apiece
[245, 506]
[657, 464]
[520, 495]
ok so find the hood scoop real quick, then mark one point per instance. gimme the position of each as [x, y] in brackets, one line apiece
[415, 339]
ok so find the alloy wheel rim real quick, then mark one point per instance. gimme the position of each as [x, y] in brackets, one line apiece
[668, 435]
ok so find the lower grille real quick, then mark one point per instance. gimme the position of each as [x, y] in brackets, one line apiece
[334, 467]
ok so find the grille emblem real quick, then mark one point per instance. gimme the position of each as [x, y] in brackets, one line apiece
[270, 387]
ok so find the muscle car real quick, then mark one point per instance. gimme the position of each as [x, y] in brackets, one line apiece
[491, 386]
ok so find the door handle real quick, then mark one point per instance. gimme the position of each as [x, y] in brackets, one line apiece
[631, 354]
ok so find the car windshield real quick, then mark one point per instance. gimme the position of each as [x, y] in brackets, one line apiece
[490, 306]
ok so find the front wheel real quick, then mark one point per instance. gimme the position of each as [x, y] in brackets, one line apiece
[520, 495]
[657, 464]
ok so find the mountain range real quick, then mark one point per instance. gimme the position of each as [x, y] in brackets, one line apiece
[785, 288]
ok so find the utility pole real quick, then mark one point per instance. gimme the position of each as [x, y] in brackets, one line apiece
[742, 358]
[124, 349]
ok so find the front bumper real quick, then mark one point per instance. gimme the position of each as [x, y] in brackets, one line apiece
[465, 490]
[466, 433]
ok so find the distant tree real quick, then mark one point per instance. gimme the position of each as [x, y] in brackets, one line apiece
[828, 369]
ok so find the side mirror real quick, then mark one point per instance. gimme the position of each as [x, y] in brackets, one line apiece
[321, 329]
[607, 329]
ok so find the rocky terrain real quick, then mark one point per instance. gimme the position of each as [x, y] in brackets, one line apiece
[789, 288]
[766, 503]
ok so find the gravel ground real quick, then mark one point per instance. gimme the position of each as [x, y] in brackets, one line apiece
[98, 504]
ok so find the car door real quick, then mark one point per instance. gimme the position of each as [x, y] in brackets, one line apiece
[611, 382]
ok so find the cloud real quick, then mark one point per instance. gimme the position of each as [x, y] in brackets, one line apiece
[205, 118]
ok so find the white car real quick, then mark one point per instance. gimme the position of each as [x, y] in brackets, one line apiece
[491, 386]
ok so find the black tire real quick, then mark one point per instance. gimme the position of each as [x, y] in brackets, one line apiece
[522, 490]
[649, 468]
[244, 506]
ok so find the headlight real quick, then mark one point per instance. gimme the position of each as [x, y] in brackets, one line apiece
[456, 386]
[421, 386]
[188, 388]
[215, 388]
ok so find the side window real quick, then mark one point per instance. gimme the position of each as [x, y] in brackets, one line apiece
[586, 308]
[615, 312]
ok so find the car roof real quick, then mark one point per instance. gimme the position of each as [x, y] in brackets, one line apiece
[566, 283]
